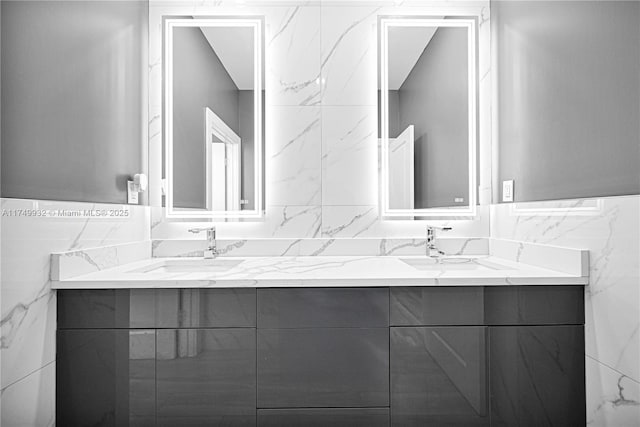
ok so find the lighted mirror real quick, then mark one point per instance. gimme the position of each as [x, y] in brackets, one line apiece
[428, 107]
[214, 117]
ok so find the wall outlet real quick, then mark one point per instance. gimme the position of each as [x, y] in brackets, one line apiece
[507, 191]
[458, 199]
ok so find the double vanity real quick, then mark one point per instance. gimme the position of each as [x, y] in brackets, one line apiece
[494, 339]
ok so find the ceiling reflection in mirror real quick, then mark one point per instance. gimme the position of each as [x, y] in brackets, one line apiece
[427, 117]
[214, 117]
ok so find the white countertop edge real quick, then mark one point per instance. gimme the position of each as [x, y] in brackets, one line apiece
[318, 283]
[334, 271]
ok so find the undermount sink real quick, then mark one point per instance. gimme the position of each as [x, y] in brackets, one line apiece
[218, 265]
[453, 263]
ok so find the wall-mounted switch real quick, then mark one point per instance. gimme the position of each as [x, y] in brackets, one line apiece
[507, 191]
[132, 194]
[135, 186]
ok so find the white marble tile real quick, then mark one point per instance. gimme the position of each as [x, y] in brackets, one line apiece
[612, 399]
[293, 152]
[320, 247]
[364, 221]
[279, 221]
[27, 302]
[31, 401]
[348, 221]
[292, 221]
[349, 40]
[567, 260]
[349, 156]
[293, 56]
[610, 230]
[484, 146]
[155, 125]
[28, 327]
[229, 247]
[74, 263]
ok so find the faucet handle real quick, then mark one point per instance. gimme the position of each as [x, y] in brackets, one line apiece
[198, 230]
[432, 227]
[211, 232]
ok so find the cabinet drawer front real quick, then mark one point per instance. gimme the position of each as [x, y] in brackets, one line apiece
[94, 309]
[323, 307]
[322, 417]
[439, 376]
[427, 306]
[156, 308]
[534, 305]
[340, 367]
[206, 377]
[205, 308]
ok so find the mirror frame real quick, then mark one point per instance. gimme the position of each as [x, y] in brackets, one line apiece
[256, 23]
[385, 23]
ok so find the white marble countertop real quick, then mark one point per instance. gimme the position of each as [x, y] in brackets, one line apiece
[321, 271]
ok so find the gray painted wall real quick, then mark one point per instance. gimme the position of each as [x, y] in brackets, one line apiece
[200, 80]
[569, 98]
[73, 78]
[434, 98]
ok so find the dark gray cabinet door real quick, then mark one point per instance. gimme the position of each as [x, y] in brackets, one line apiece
[324, 367]
[323, 308]
[537, 376]
[105, 378]
[323, 417]
[439, 376]
[534, 305]
[206, 377]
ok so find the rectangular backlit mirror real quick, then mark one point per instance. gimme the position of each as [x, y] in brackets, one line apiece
[428, 115]
[214, 117]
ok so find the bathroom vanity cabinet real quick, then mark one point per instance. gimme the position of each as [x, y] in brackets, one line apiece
[400, 356]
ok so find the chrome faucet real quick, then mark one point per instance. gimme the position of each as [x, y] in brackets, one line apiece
[212, 249]
[432, 249]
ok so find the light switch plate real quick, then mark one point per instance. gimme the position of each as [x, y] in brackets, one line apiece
[507, 191]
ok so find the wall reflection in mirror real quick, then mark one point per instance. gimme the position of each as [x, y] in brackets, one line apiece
[427, 91]
[214, 117]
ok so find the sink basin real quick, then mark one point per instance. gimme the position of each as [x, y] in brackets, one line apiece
[190, 266]
[453, 264]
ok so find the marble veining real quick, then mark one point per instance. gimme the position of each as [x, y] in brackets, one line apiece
[319, 246]
[28, 309]
[261, 271]
[320, 79]
[609, 228]
[95, 259]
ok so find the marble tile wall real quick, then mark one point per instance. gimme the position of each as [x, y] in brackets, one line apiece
[610, 229]
[28, 305]
[320, 247]
[321, 182]
[321, 151]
